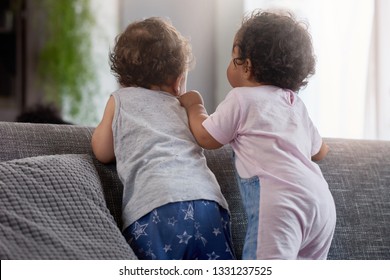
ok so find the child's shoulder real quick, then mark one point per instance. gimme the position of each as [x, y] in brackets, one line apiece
[248, 94]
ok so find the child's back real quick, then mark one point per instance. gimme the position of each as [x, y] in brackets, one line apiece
[172, 205]
[157, 155]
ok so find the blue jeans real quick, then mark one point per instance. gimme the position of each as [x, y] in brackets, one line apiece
[198, 229]
[250, 193]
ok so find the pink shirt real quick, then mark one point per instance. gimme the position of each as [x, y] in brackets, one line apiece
[270, 131]
[273, 138]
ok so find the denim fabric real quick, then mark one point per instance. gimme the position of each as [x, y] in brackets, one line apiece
[198, 229]
[250, 192]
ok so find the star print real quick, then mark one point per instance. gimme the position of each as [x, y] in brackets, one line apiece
[198, 236]
[189, 213]
[139, 230]
[167, 248]
[172, 221]
[213, 256]
[149, 253]
[216, 231]
[196, 225]
[184, 237]
[156, 218]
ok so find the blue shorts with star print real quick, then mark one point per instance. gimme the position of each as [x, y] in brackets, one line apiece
[187, 230]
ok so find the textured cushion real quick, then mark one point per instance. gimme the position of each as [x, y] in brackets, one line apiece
[358, 174]
[52, 207]
[221, 164]
[24, 140]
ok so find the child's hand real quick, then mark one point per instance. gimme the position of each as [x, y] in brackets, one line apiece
[190, 98]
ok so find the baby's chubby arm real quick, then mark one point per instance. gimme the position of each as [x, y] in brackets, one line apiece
[102, 138]
[192, 101]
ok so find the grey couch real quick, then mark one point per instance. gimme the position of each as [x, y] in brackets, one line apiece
[58, 202]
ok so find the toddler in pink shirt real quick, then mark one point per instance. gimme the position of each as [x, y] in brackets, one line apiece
[291, 212]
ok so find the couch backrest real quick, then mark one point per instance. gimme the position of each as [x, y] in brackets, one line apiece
[358, 174]
[21, 140]
[357, 171]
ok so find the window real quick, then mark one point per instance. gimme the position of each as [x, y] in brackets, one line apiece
[342, 97]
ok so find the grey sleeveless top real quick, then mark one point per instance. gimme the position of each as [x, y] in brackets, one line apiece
[158, 159]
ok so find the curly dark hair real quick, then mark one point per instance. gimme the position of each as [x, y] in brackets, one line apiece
[150, 52]
[279, 48]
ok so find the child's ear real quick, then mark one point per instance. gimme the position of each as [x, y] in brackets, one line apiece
[180, 84]
[247, 68]
[247, 65]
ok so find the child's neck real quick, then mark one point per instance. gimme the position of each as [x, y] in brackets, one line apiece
[167, 89]
[251, 83]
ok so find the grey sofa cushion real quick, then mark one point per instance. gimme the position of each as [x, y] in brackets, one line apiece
[221, 164]
[53, 207]
[358, 174]
[22, 140]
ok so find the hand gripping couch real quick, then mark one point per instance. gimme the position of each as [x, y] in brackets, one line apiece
[58, 202]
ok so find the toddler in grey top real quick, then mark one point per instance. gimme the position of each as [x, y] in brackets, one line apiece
[172, 204]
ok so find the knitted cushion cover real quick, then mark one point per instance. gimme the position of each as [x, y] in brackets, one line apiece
[53, 207]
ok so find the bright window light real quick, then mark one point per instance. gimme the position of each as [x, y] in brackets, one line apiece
[342, 33]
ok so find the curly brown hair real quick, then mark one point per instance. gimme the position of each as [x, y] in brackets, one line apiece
[150, 52]
[279, 48]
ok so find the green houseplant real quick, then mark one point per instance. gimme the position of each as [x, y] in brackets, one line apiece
[65, 64]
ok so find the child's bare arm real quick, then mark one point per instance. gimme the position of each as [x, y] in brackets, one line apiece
[102, 138]
[322, 153]
[193, 103]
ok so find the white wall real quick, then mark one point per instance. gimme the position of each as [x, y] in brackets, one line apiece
[194, 20]
[227, 21]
